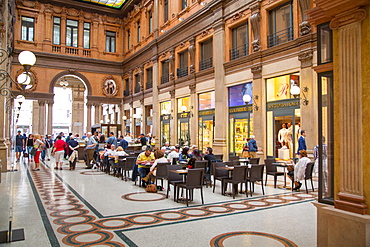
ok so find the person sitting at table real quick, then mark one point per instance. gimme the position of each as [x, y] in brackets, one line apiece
[173, 154]
[184, 156]
[142, 160]
[210, 157]
[159, 158]
[197, 155]
[108, 155]
[119, 152]
[297, 172]
[166, 147]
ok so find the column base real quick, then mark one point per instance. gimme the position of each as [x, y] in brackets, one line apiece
[351, 203]
[337, 227]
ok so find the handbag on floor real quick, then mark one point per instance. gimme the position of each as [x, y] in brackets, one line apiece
[151, 188]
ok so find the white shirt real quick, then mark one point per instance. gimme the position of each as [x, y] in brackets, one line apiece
[171, 155]
[282, 135]
[300, 168]
[160, 160]
[128, 138]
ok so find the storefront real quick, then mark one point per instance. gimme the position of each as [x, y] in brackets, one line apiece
[165, 122]
[240, 117]
[283, 116]
[206, 118]
[105, 129]
[183, 117]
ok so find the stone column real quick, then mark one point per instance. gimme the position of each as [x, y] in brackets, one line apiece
[156, 20]
[259, 115]
[94, 35]
[63, 23]
[35, 117]
[143, 117]
[173, 121]
[156, 109]
[78, 111]
[50, 117]
[193, 116]
[48, 28]
[221, 122]
[88, 122]
[80, 35]
[42, 117]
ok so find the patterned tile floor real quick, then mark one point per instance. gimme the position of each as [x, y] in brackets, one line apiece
[91, 208]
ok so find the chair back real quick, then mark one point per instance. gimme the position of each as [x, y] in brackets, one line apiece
[256, 173]
[219, 156]
[174, 161]
[235, 163]
[130, 161]
[218, 172]
[173, 176]
[201, 165]
[239, 174]
[309, 169]
[162, 170]
[269, 165]
[233, 158]
[194, 178]
[121, 163]
[254, 161]
[228, 163]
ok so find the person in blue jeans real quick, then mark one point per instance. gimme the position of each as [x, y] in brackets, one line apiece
[252, 147]
[19, 144]
[143, 161]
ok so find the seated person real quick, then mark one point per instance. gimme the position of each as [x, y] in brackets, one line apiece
[142, 160]
[173, 154]
[108, 155]
[184, 156]
[297, 172]
[166, 147]
[119, 152]
[197, 155]
[159, 158]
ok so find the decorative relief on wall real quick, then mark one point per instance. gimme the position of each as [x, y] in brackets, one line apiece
[257, 71]
[255, 20]
[306, 58]
[236, 17]
[347, 18]
[109, 87]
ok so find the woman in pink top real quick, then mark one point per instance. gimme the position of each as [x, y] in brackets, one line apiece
[58, 152]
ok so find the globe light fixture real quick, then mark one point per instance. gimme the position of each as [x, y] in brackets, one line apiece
[27, 59]
[183, 108]
[247, 98]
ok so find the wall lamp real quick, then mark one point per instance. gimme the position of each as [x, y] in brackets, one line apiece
[184, 108]
[296, 91]
[64, 83]
[247, 98]
[124, 118]
[166, 112]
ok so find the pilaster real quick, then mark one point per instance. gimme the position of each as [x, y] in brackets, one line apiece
[88, 121]
[173, 122]
[194, 130]
[156, 109]
[50, 117]
[35, 117]
[42, 117]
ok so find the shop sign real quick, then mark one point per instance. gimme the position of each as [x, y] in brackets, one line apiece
[183, 115]
[207, 112]
[165, 117]
[149, 120]
[283, 104]
[240, 109]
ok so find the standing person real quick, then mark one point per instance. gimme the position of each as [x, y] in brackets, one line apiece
[19, 145]
[143, 159]
[38, 145]
[282, 134]
[43, 152]
[245, 153]
[48, 145]
[58, 152]
[252, 145]
[73, 147]
[143, 141]
[112, 140]
[90, 149]
[302, 141]
[29, 145]
[123, 143]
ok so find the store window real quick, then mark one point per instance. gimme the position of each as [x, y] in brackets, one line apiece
[239, 42]
[28, 28]
[165, 11]
[72, 33]
[207, 101]
[165, 108]
[183, 118]
[110, 41]
[56, 30]
[184, 62]
[325, 49]
[206, 118]
[138, 31]
[240, 117]
[149, 78]
[280, 24]
[206, 54]
[278, 88]
[165, 71]
[137, 83]
[87, 35]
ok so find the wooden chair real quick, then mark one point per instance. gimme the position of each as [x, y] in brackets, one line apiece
[271, 170]
[194, 180]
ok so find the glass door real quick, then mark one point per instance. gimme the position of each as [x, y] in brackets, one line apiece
[206, 127]
[165, 132]
[184, 135]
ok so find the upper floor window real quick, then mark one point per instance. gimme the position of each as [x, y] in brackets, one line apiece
[150, 22]
[28, 28]
[165, 10]
[280, 24]
[110, 41]
[137, 83]
[128, 39]
[149, 78]
[184, 62]
[126, 92]
[184, 4]
[239, 41]
[165, 71]
[72, 33]
[206, 55]
[325, 49]
[87, 35]
[56, 30]
[138, 31]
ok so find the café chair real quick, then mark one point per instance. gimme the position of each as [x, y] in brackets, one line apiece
[119, 167]
[202, 164]
[308, 175]
[173, 178]
[130, 162]
[219, 156]
[271, 170]
[194, 180]
[161, 172]
[255, 175]
[233, 158]
[254, 161]
[239, 177]
[219, 174]
[174, 161]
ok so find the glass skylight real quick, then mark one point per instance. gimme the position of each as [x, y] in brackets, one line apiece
[109, 3]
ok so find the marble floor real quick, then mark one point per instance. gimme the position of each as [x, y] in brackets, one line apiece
[90, 208]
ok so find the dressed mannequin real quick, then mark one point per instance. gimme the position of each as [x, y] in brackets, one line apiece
[282, 134]
[289, 139]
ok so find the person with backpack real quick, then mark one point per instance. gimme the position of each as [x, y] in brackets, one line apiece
[112, 140]
[123, 143]
[252, 145]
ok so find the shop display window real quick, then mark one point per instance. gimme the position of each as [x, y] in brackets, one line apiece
[236, 94]
[278, 88]
[207, 101]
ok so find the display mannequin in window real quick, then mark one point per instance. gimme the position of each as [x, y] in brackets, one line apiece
[282, 134]
[289, 139]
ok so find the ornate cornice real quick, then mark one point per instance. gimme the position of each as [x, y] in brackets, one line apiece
[348, 18]
[306, 58]
[172, 94]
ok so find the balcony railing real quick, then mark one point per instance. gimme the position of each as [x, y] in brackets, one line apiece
[280, 37]
[56, 48]
[149, 85]
[181, 72]
[239, 51]
[165, 78]
[137, 89]
[206, 63]
[73, 51]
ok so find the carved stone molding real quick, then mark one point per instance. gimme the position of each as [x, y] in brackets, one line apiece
[172, 94]
[41, 102]
[304, 5]
[205, 33]
[257, 71]
[110, 87]
[256, 8]
[255, 20]
[236, 17]
[29, 4]
[305, 28]
[256, 45]
[306, 58]
[348, 18]
[192, 88]
[142, 102]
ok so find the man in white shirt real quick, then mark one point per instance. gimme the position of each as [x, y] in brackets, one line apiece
[174, 153]
[128, 137]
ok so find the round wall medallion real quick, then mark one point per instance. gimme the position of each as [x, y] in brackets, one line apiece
[110, 87]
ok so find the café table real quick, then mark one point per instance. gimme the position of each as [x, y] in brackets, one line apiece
[284, 164]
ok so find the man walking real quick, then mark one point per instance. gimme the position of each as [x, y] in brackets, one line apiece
[19, 145]
[90, 149]
[302, 141]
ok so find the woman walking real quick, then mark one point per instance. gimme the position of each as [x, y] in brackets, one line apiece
[29, 146]
[58, 153]
[38, 145]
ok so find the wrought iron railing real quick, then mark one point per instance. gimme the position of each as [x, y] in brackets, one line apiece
[181, 72]
[239, 51]
[165, 78]
[280, 37]
[149, 85]
[206, 63]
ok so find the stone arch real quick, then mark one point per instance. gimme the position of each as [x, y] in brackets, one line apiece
[71, 72]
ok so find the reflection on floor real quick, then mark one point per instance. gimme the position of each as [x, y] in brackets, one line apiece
[89, 207]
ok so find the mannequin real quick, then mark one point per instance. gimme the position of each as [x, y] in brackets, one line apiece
[289, 139]
[282, 134]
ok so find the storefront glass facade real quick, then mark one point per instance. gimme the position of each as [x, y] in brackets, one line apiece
[206, 115]
[183, 117]
[165, 108]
